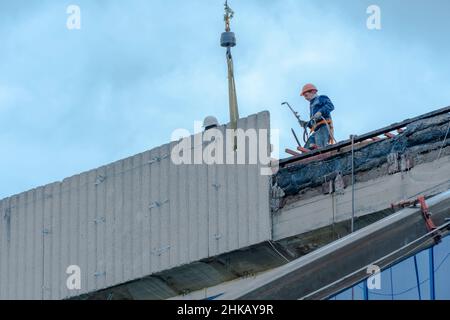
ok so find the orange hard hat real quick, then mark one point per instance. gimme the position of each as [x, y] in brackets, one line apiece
[308, 87]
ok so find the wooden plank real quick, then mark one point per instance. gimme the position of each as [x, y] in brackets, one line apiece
[303, 150]
[291, 152]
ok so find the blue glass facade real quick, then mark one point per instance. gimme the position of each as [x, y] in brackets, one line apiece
[424, 276]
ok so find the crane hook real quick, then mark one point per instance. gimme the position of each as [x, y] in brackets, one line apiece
[229, 13]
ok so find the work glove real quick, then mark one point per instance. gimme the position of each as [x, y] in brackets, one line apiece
[311, 123]
[317, 116]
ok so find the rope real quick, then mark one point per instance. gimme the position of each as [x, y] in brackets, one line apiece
[331, 132]
[233, 105]
[234, 113]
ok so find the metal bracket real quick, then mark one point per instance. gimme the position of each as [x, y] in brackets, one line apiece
[101, 219]
[393, 164]
[406, 162]
[185, 292]
[7, 214]
[158, 159]
[99, 274]
[276, 195]
[99, 179]
[339, 184]
[157, 204]
[160, 251]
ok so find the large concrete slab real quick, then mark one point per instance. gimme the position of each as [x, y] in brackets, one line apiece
[370, 196]
[131, 218]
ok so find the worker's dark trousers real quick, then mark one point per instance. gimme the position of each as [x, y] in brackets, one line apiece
[320, 138]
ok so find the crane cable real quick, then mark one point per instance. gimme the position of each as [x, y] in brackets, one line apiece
[234, 113]
[233, 105]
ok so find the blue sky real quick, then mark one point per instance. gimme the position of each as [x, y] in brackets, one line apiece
[73, 100]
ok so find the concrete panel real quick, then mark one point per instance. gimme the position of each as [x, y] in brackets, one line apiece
[130, 219]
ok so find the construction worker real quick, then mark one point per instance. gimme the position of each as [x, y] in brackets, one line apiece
[210, 122]
[321, 124]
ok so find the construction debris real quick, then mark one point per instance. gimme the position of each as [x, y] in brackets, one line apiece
[389, 155]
